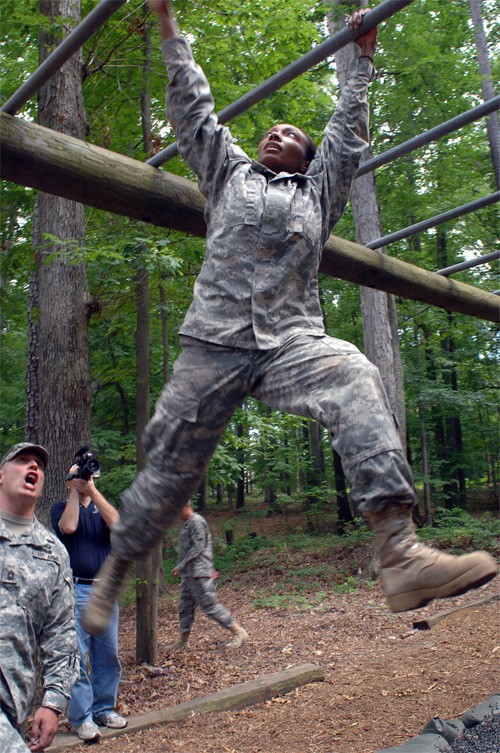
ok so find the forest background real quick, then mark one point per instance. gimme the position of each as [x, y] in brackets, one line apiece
[116, 290]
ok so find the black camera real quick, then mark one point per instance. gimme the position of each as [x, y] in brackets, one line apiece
[88, 464]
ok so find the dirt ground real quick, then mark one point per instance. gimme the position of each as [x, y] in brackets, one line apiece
[384, 680]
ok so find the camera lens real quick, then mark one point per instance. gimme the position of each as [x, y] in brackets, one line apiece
[93, 465]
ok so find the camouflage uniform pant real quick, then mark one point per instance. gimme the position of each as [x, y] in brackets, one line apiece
[321, 378]
[201, 593]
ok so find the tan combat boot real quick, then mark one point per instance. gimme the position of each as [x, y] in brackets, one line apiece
[107, 586]
[239, 635]
[181, 644]
[412, 573]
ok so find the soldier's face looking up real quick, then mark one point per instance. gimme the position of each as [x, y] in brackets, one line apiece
[284, 148]
[21, 483]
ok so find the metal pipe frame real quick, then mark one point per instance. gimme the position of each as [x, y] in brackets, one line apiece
[106, 8]
[322, 51]
[434, 221]
[75, 39]
[468, 264]
[433, 134]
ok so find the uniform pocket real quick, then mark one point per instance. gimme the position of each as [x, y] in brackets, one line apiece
[339, 347]
[33, 582]
[241, 202]
[305, 219]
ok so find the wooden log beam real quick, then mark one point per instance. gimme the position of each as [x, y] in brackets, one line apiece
[235, 697]
[372, 269]
[49, 161]
[34, 156]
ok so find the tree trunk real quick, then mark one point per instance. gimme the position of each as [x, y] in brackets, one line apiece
[200, 497]
[313, 462]
[344, 511]
[317, 457]
[436, 418]
[268, 476]
[240, 484]
[487, 86]
[149, 567]
[424, 452]
[164, 334]
[454, 486]
[59, 387]
[381, 343]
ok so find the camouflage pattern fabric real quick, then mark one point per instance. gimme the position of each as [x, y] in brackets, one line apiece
[37, 607]
[258, 285]
[322, 378]
[195, 554]
[201, 593]
[11, 740]
[255, 325]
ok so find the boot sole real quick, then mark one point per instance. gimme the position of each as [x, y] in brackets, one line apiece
[474, 578]
[109, 583]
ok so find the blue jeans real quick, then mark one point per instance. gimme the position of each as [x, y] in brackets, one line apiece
[95, 694]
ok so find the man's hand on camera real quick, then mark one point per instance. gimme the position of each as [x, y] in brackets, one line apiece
[84, 486]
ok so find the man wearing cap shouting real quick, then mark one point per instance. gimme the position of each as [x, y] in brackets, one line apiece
[37, 607]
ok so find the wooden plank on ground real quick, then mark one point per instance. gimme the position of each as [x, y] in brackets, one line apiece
[236, 697]
[429, 622]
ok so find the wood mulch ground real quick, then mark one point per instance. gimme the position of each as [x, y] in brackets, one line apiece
[384, 680]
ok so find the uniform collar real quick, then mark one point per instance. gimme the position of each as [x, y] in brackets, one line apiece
[37, 535]
[271, 175]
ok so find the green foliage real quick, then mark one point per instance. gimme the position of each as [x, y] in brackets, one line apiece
[294, 601]
[349, 586]
[427, 73]
[238, 552]
[459, 531]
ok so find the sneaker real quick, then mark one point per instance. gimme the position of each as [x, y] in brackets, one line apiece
[111, 720]
[87, 731]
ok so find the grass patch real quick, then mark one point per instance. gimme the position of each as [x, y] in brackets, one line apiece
[349, 586]
[289, 601]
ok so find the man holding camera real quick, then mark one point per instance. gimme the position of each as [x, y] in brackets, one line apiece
[83, 523]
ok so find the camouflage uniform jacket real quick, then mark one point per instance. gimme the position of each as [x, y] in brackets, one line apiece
[37, 605]
[258, 285]
[195, 557]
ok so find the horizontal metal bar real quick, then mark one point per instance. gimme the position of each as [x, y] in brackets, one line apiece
[468, 264]
[434, 221]
[376, 15]
[449, 126]
[75, 39]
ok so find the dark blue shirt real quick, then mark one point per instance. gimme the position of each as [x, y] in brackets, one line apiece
[89, 546]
